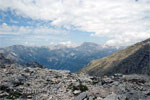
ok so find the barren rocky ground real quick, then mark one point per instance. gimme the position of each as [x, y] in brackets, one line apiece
[18, 82]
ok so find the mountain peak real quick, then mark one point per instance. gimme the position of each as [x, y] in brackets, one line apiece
[89, 44]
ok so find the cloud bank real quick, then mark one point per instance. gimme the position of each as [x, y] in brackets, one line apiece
[24, 30]
[122, 21]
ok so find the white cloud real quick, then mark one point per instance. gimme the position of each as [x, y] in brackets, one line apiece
[124, 21]
[20, 30]
[28, 43]
[67, 43]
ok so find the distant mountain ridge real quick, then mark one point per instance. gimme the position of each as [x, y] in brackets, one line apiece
[4, 60]
[133, 59]
[59, 56]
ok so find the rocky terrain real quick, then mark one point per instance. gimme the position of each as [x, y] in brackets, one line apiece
[34, 82]
[134, 59]
[59, 57]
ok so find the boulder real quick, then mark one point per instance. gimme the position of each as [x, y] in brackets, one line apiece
[81, 96]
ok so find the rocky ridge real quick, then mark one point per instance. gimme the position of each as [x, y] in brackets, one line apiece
[134, 59]
[39, 83]
[4, 60]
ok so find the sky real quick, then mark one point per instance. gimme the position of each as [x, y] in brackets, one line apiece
[45, 22]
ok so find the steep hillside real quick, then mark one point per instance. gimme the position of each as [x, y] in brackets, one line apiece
[133, 59]
[58, 56]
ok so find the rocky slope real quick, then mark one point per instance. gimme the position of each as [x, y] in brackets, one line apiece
[59, 56]
[133, 59]
[39, 83]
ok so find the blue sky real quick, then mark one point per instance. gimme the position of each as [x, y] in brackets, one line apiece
[44, 22]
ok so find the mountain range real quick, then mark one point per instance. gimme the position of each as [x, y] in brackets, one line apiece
[59, 56]
[134, 59]
[36, 82]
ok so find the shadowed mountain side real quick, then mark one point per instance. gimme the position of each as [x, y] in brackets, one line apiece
[133, 59]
